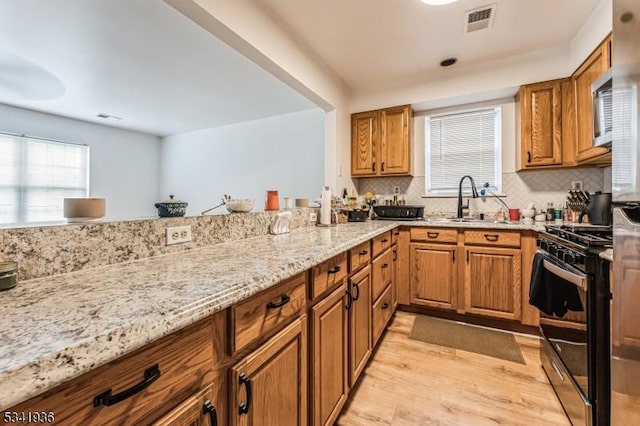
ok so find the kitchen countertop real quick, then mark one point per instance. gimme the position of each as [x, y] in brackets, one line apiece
[59, 327]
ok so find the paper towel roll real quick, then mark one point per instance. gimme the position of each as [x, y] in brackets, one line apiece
[84, 209]
[325, 206]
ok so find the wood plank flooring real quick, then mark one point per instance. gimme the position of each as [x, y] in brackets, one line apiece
[408, 382]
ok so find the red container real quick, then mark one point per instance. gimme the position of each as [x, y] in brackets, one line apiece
[272, 203]
[514, 215]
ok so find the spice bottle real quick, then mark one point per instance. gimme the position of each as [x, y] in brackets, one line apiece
[550, 212]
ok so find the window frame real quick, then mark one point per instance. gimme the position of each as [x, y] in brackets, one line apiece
[497, 183]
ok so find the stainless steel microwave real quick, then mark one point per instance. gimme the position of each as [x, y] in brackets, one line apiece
[602, 95]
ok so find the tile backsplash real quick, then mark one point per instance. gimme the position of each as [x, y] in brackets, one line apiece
[538, 187]
[48, 250]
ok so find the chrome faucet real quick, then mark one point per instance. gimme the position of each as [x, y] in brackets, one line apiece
[474, 194]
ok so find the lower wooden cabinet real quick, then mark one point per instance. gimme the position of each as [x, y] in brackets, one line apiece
[329, 363]
[492, 282]
[381, 312]
[359, 323]
[195, 411]
[269, 386]
[433, 275]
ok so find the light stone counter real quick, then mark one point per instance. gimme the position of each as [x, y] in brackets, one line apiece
[59, 327]
[607, 255]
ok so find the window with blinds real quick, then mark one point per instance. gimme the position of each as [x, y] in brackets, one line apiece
[36, 175]
[624, 174]
[464, 143]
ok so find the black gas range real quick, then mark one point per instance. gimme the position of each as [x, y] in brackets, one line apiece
[575, 337]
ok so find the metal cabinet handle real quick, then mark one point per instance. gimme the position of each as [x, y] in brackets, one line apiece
[433, 234]
[385, 305]
[373, 166]
[528, 156]
[395, 255]
[284, 299]
[106, 398]
[384, 240]
[363, 252]
[356, 287]
[382, 167]
[384, 265]
[467, 256]
[208, 408]
[453, 255]
[350, 299]
[334, 270]
[246, 406]
[492, 237]
[396, 233]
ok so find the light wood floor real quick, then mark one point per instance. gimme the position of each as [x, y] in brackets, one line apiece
[408, 382]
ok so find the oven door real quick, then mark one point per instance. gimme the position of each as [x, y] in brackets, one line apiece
[564, 351]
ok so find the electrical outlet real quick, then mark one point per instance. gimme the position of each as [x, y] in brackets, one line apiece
[576, 185]
[396, 189]
[313, 217]
[178, 234]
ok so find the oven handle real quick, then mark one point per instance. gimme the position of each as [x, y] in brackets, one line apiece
[573, 278]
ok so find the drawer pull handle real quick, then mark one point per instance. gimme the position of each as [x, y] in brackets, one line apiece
[373, 166]
[209, 409]
[395, 255]
[382, 167]
[151, 374]
[491, 237]
[284, 299]
[384, 240]
[385, 305]
[334, 270]
[453, 256]
[384, 265]
[363, 252]
[396, 233]
[246, 406]
[433, 234]
[357, 292]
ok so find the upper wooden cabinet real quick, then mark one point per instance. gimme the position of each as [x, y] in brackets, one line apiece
[381, 142]
[541, 128]
[595, 65]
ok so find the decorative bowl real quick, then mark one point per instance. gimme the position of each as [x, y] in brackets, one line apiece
[239, 206]
[171, 208]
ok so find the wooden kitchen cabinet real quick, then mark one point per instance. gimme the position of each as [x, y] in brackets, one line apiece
[195, 411]
[381, 142]
[433, 275]
[492, 282]
[269, 386]
[382, 271]
[592, 68]
[541, 124]
[329, 358]
[360, 345]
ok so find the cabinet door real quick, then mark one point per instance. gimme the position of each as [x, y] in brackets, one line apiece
[195, 411]
[492, 282]
[364, 142]
[329, 358]
[359, 324]
[395, 141]
[269, 386]
[541, 111]
[433, 275]
[395, 272]
[382, 271]
[589, 71]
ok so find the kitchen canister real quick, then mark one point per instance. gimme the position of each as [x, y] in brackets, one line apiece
[272, 203]
[8, 274]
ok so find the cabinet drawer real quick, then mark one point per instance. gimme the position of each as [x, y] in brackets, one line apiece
[182, 362]
[382, 310]
[490, 237]
[394, 236]
[381, 243]
[266, 311]
[382, 271]
[359, 256]
[434, 235]
[328, 274]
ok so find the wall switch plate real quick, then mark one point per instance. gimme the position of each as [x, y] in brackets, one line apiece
[576, 185]
[178, 234]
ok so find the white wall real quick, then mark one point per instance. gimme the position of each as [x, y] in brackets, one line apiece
[123, 164]
[245, 160]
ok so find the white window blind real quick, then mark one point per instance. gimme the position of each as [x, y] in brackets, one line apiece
[624, 132]
[36, 175]
[465, 143]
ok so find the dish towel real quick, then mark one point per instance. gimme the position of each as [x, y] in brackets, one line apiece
[551, 294]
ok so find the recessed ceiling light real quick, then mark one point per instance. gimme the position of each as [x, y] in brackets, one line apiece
[448, 62]
[109, 117]
[437, 2]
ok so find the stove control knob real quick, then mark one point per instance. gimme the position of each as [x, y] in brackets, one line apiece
[569, 257]
[544, 245]
[552, 249]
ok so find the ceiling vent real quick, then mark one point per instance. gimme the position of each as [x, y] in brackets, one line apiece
[479, 19]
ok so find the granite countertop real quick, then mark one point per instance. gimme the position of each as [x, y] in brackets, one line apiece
[607, 254]
[59, 327]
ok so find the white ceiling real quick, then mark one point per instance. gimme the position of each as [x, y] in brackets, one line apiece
[373, 44]
[137, 59]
